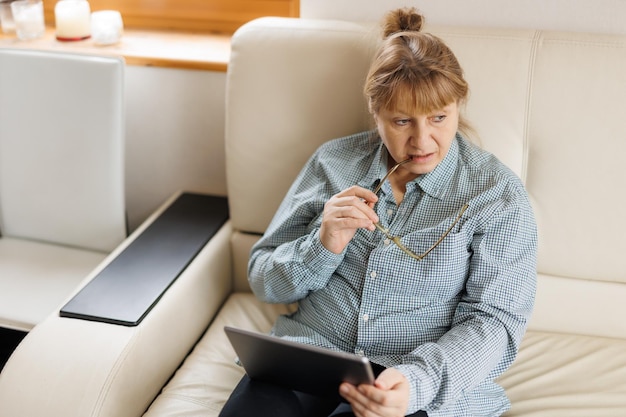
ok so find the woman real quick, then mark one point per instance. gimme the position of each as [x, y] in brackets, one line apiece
[408, 245]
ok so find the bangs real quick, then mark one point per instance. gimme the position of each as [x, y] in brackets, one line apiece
[424, 96]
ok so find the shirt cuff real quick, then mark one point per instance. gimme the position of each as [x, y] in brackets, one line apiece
[421, 393]
[320, 260]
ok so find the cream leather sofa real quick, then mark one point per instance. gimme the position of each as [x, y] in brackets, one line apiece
[550, 105]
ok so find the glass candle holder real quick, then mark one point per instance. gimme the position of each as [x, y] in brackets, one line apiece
[28, 19]
[106, 27]
[73, 20]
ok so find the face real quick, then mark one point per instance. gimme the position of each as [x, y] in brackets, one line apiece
[423, 138]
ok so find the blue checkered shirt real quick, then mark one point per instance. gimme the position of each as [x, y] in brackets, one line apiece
[452, 322]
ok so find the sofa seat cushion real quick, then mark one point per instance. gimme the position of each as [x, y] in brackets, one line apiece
[564, 375]
[36, 278]
[554, 375]
[203, 383]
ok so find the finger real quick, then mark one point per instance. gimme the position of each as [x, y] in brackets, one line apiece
[351, 393]
[358, 210]
[376, 397]
[363, 405]
[365, 196]
[340, 224]
[356, 400]
[389, 379]
[360, 192]
[351, 207]
[389, 395]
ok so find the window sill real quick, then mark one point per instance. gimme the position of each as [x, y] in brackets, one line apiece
[187, 50]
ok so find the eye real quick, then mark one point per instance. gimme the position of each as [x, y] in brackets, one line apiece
[439, 118]
[402, 122]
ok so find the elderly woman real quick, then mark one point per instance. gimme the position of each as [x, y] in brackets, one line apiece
[407, 244]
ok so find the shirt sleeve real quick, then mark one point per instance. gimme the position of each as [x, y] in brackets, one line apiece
[491, 318]
[289, 261]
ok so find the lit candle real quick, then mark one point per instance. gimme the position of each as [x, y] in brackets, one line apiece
[73, 20]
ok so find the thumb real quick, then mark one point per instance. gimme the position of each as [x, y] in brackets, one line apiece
[389, 378]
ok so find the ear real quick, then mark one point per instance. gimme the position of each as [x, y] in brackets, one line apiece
[370, 106]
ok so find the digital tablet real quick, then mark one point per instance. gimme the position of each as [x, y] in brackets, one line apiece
[297, 366]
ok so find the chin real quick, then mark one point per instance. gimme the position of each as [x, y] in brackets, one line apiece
[423, 170]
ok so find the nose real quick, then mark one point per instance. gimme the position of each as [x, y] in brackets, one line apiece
[420, 133]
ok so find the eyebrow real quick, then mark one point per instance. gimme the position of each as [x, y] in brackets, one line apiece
[406, 114]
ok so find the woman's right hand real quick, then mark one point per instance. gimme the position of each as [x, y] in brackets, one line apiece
[344, 213]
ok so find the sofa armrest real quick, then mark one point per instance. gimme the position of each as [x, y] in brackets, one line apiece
[75, 368]
[132, 283]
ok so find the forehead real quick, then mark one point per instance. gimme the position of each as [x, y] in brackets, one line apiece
[420, 99]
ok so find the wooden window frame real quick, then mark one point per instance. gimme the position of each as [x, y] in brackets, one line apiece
[205, 16]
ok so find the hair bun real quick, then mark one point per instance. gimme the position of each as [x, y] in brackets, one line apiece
[402, 20]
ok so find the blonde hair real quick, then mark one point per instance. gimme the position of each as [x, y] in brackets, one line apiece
[414, 69]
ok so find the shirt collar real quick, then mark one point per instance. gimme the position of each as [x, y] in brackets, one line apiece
[434, 183]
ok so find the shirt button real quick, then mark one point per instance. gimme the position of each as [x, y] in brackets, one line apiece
[360, 352]
[366, 317]
[387, 242]
[390, 212]
[373, 274]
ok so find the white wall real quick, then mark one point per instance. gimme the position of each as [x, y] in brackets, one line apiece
[176, 117]
[603, 16]
[174, 136]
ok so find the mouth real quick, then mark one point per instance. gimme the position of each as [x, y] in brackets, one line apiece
[420, 158]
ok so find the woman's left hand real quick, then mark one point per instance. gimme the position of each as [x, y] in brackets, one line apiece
[388, 397]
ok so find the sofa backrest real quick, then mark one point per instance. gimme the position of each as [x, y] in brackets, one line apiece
[550, 105]
[62, 148]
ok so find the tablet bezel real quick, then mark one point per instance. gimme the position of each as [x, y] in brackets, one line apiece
[297, 366]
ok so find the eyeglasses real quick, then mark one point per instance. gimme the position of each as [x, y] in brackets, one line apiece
[396, 239]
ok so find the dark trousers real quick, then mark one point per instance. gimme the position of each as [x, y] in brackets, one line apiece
[261, 399]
